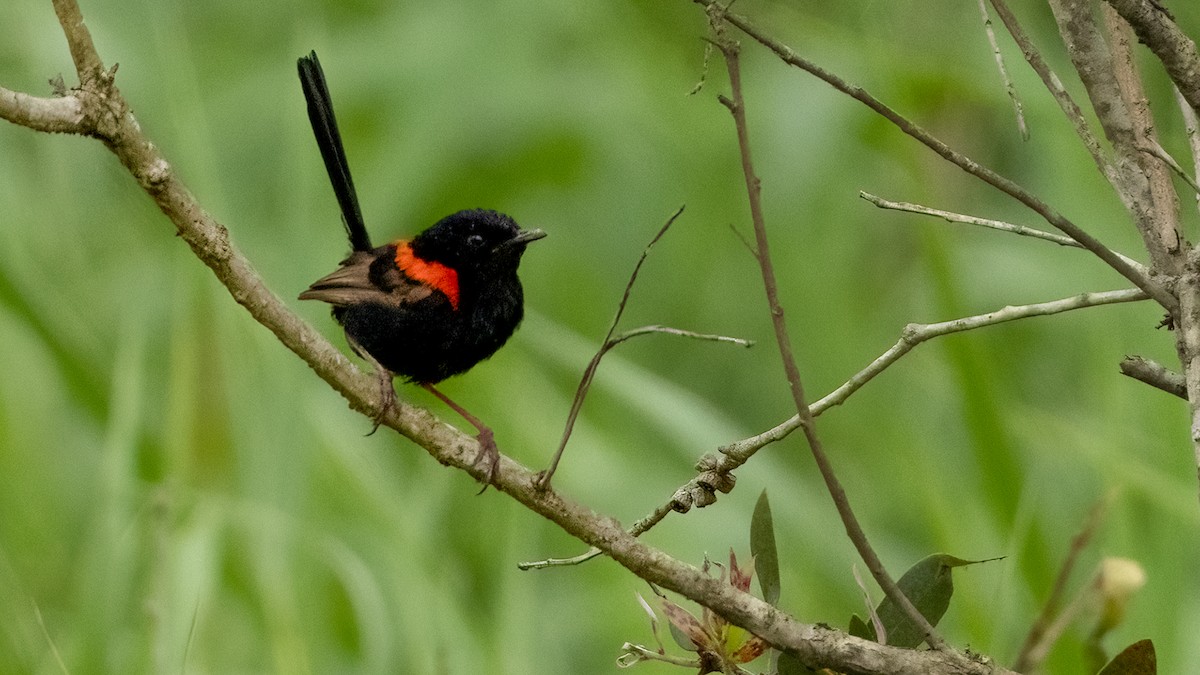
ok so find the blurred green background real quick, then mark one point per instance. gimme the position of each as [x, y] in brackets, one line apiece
[178, 493]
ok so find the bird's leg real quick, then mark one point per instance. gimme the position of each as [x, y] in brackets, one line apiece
[489, 454]
[387, 393]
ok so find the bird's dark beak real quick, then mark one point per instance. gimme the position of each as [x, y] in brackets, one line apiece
[526, 236]
[523, 237]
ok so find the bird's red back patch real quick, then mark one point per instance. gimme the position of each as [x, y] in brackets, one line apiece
[433, 274]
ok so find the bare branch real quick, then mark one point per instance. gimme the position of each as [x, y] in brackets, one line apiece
[586, 381]
[1018, 110]
[1156, 205]
[737, 108]
[789, 56]
[1161, 226]
[1156, 28]
[982, 222]
[1115, 90]
[1157, 151]
[1154, 374]
[1055, 86]
[51, 115]
[79, 40]
[915, 334]
[1191, 125]
[611, 341]
[699, 490]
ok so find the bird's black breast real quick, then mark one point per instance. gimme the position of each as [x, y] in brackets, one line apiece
[428, 341]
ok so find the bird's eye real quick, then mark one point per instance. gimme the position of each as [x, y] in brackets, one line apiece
[475, 240]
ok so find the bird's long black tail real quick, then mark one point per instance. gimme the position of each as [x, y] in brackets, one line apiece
[329, 140]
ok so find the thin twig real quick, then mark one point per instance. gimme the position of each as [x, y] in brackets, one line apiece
[736, 454]
[677, 332]
[1054, 85]
[1011, 90]
[1154, 374]
[789, 56]
[915, 334]
[1156, 28]
[611, 341]
[1191, 125]
[953, 217]
[950, 216]
[639, 527]
[1154, 149]
[1041, 636]
[585, 382]
[708, 49]
[737, 108]
[1160, 226]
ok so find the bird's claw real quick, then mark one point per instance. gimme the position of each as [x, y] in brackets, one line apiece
[488, 456]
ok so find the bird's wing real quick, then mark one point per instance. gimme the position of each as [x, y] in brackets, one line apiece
[358, 280]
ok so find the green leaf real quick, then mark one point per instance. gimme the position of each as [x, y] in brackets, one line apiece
[860, 629]
[928, 586]
[790, 665]
[762, 547]
[1137, 659]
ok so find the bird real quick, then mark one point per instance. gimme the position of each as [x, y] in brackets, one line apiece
[426, 308]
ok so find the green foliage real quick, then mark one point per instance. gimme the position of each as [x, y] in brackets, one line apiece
[859, 628]
[762, 547]
[928, 585]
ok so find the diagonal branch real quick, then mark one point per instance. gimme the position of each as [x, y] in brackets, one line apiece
[1000, 225]
[611, 340]
[1115, 93]
[1191, 125]
[1160, 227]
[1065, 225]
[715, 470]
[857, 536]
[916, 334]
[1156, 28]
[1009, 89]
[1154, 374]
[1055, 86]
[79, 41]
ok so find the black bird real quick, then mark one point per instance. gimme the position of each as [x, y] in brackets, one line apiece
[425, 308]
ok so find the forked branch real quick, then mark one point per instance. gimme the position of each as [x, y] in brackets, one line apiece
[1062, 223]
[737, 108]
